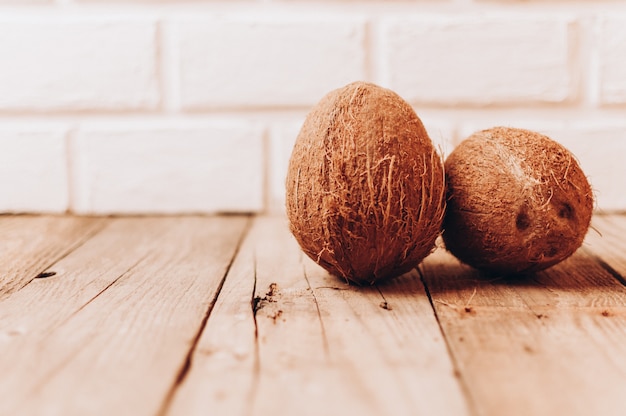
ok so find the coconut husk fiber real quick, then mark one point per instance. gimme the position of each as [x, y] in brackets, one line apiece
[365, 186]
[517, 201]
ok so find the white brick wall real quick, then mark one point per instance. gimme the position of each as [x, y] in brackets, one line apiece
[612, 51]
[477, 59]
[86, 64]
[267, 62]
[33, 169]
[162, 106]
[155, 168]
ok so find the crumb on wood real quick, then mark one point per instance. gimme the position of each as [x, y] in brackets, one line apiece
[273, 290]
[467, 311]
[277, 315]
[606, 313]
[541, 316]
[385, 305]
[270, 296]
[44, 275]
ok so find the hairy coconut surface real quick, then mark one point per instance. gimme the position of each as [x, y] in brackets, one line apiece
[517, 201]
[365, 186]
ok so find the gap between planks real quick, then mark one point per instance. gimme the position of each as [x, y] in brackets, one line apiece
[182, 374]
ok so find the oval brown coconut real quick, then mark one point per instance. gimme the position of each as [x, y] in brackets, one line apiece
[517, 201]
[365, 186]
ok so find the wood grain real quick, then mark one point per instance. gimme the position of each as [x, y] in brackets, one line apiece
[178, 316]
[544, 344]
[387, 342]
[29, 244]
[294, 375]
[322, 347]
[122, 350]
[223, 367]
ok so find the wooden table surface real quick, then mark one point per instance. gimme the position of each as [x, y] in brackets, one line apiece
[225, 316]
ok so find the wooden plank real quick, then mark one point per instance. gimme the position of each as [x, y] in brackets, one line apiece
[223, 366]
[122, 352]
[388, 345]
[263, 349]
[384, 349]
[607, 241]
[549, 343]
[293, 374]
[322, 347]
[29, 244]
[42, 305]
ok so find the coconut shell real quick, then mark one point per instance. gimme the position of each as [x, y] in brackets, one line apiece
[517, 201]
[365, 186]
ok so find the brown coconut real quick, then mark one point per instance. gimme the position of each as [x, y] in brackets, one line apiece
[517, 201]
[365, 186]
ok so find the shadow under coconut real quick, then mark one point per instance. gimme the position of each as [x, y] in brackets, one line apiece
[582, 271]
[577, 281]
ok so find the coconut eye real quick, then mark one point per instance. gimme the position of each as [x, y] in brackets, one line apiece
[522, 221]
[566, 211]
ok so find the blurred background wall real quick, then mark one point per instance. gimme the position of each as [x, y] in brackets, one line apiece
[192, 106]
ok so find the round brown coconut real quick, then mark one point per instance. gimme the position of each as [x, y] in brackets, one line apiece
[365, 186]
[517, 201]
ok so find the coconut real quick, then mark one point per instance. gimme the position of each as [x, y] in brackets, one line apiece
[365, 186]
[517, 201]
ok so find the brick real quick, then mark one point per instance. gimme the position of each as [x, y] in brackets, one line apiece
[33, 169]
[612, 60]
[283, 136]
[480, 60]
[282, 139]
[173, 168]
[598, 146]
[70, 64]
[237, 62]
